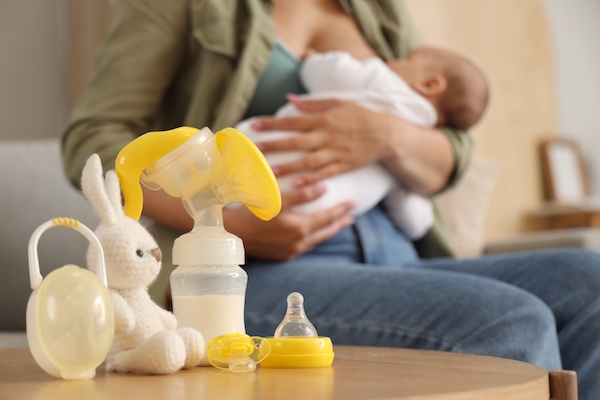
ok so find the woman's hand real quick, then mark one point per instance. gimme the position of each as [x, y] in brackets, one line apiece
[289, 234]
[340, 136]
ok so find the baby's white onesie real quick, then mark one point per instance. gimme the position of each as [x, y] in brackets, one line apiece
[370, 84]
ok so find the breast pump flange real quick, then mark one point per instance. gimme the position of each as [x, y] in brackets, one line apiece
[207, 171]
[70, 321]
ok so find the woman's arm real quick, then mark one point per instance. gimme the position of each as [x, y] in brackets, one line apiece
[340, 136]
[283, 238]
[422, 158]
[140, 57]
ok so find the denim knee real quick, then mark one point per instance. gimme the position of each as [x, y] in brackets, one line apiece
[521, 327]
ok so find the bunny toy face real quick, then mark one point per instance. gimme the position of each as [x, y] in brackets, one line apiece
[132, 256]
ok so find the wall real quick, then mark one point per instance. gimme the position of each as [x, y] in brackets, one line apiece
[510, 40]
[48, 49]
[32, 68]
[576, 35]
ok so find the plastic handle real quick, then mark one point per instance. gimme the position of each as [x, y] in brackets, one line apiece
[140, 154]
[35, 277]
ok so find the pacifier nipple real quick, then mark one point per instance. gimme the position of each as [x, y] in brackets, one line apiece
[295, 322]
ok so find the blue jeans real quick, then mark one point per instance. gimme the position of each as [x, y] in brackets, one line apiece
[367, 286]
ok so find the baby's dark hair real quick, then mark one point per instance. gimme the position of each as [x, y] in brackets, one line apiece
[467, 92]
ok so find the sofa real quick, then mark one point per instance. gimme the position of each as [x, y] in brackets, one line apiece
[35, 190]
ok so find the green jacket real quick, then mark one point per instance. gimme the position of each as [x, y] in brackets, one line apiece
[197, 62]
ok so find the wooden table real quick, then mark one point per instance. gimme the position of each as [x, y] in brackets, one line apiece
[357, 373]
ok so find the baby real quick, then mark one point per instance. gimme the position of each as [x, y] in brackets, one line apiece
[431, 87]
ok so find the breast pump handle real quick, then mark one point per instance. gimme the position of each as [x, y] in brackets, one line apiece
[140, 154]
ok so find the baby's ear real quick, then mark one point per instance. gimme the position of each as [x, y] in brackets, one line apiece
[432, 85]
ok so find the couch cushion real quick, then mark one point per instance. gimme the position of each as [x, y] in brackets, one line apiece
[34, 189]
[464, 208]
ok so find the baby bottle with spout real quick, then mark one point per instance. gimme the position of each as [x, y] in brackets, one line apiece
[207, 171]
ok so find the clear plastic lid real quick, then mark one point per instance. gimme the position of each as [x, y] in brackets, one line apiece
[70, 318]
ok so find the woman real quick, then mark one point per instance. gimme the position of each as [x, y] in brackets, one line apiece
[214, 62]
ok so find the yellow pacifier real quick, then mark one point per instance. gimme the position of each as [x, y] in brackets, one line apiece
[237, 352]
[70, 323]
[296, 343]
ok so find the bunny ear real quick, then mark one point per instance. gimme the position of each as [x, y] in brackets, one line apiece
[113, 191]
[92, 185]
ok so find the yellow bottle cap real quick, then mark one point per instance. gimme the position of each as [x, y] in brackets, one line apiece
[299, 352]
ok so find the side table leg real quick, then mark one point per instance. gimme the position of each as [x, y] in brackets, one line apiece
[563, 385]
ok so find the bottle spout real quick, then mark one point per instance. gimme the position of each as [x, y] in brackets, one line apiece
[205, 216]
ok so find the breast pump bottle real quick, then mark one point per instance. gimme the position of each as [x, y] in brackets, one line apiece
[207, 171]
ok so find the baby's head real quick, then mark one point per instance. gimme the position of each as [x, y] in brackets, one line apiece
[454, 85]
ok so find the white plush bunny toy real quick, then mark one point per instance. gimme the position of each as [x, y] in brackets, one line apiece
[146, 337]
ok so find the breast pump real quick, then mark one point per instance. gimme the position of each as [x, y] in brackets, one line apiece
[207, 171]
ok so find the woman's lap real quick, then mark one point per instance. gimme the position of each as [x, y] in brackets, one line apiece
[410, 307]
[366, 287]
[541, 307]
[564, 279]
